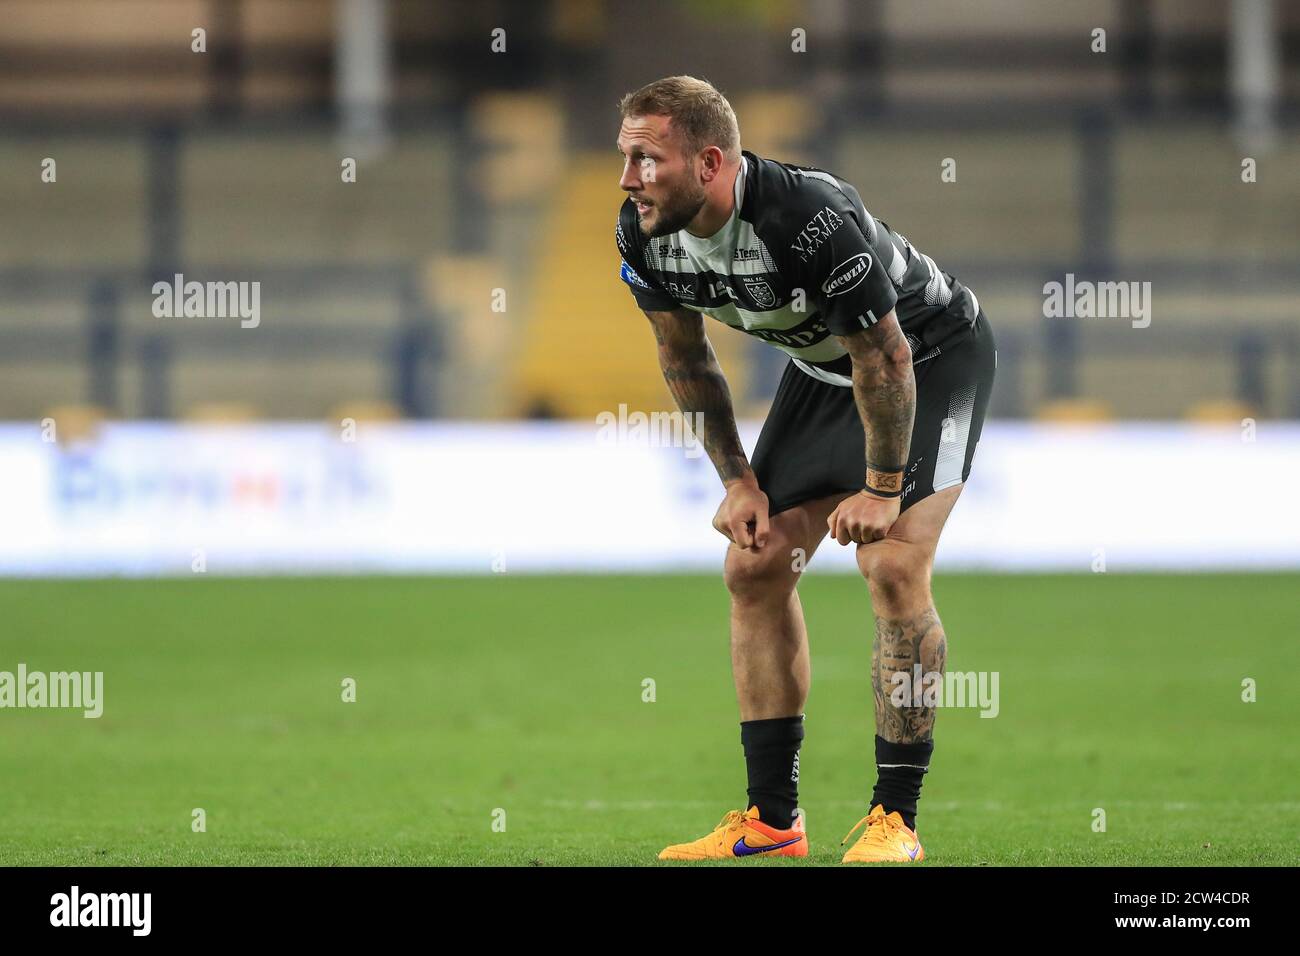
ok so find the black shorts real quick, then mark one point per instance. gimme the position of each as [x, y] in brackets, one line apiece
[813, 443]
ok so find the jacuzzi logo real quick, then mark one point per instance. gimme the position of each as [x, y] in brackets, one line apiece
[848, 275]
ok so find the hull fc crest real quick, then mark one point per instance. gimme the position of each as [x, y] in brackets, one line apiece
[760, 292]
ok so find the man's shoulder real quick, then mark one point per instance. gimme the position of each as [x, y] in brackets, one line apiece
[781, 189]
[634, 270]
[787, 199]
[625, 228]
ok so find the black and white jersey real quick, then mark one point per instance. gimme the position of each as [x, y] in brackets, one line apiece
[799, 262]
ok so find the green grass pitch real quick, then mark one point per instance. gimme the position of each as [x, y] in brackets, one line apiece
[524, 694]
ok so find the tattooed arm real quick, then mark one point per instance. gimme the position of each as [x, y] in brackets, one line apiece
[884, 388]
[698, 386]
[700, 390]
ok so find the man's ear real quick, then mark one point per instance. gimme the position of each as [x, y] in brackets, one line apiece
[711, 163]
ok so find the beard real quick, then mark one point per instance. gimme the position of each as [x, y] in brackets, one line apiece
[675, 212]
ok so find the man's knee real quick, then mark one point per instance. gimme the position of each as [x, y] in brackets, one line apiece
[897, 571]
[765, 575]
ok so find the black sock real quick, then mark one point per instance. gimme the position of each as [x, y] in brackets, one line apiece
[899, 769]
[772, 760]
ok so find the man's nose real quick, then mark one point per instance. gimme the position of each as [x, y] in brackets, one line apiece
[631, 177]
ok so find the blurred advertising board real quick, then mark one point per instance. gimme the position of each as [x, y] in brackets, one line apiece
[172, 499]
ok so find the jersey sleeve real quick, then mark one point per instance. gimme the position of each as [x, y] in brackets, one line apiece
[837, 266]
[648, 293]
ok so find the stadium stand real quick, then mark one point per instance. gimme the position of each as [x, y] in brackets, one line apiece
[1124, 167]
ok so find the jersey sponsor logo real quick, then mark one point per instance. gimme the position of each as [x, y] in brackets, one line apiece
[680, 290]
[668, 251]
[746, 255]
[847, 275]
[620, 238]
[815, 232]
[807, 333]
[628, 275]
[717, 289]
[760, 292]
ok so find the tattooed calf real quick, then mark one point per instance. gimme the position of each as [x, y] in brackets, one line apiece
[897, 648]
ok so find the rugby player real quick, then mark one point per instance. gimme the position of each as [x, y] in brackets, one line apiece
[869, 438]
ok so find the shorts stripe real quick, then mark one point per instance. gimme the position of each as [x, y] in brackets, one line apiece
[950, 461]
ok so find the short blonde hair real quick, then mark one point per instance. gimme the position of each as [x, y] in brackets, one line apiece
[696, 108]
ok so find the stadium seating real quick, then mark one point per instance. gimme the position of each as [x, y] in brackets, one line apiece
[507, 189]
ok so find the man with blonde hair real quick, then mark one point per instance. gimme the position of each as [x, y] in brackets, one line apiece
[870, 436]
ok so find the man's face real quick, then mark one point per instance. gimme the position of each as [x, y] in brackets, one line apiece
[658, 176]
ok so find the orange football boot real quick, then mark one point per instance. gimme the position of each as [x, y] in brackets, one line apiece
[742, 834]
[885, 840]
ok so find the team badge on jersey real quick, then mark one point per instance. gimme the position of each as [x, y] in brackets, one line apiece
[760, 292]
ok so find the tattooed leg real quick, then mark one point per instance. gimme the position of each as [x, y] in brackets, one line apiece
[909, 642]
[908, 630]
[899, 647]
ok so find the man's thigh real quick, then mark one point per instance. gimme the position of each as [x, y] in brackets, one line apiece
[923, 523]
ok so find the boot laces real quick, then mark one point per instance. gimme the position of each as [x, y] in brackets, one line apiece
[879, 829]
[732, 818]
